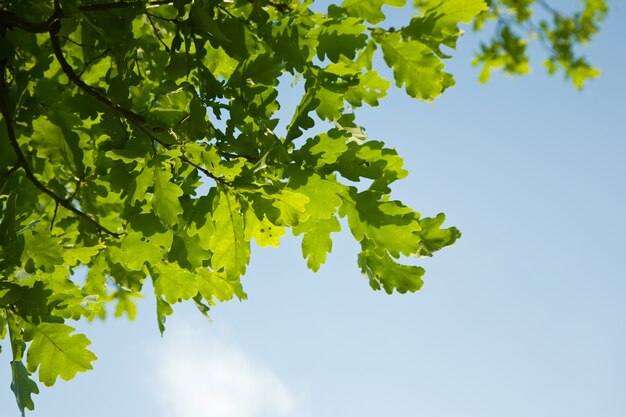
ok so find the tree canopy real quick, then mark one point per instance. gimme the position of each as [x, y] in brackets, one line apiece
[140, 140]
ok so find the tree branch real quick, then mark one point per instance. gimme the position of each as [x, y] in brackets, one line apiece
[121, 5]
[133, 118]
[23, 163]
[156, 32]
[11, 20]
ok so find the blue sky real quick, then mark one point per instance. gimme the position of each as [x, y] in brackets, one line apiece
[524, 316]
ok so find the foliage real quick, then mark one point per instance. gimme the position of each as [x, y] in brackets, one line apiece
[114, 115]
[558, 33]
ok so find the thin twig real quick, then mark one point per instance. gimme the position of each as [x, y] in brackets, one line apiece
[10, 172]
[91, 60]
[242, 20]
[54, 216]
[120, 5]
[78, 184]
[229, 155]
[11, 20]
[156, 32]
[549, 8]
[5, 177]
[156, 16]
[135, 119]
[82, 45]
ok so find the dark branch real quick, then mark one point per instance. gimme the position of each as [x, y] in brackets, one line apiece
[92, 60]
[82, 45]
[156, 32]
[55, 26]
[120, 5]
[54, 216]
[24, 164]
[11, 20]
[133, 118]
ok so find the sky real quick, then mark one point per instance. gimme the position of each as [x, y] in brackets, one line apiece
[524, 316]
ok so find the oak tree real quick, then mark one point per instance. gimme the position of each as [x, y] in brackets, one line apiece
[139, 140]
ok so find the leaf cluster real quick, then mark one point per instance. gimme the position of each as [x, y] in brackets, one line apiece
[559, 33]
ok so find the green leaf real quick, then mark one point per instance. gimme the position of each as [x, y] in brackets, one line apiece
[414, 65]
[263, 231]
[230, 249]
[324, 149]
[301, 120]
[30, 302]
[55, 352]
[165, 201]
[369, 10]
[81, 254]
[143, 182]
[188, 251]
[135, 250]
[43, 250]
[174, 283]
[323, 194]
[371, 88]
[163, 309]
[330, 104]
[341, 39]
[215, 286]
[389, 225]
[52, 143]
[125, 303]
[434, 237]
[292, 207]
[439, 23]
[316, 242]
[370, 160]
[22, 386]
[383, 271]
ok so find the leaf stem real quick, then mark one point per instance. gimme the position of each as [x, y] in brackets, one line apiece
[11, 20]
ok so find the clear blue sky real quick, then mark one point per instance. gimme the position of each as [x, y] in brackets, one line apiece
[525, 316]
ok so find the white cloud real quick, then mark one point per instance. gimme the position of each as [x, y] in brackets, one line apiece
[200, 378]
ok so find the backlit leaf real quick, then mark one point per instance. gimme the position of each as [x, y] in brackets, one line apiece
[369, 10]
[230, 249]
[316, 242]
[165, 200]
[56, 352]
[414, 65]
